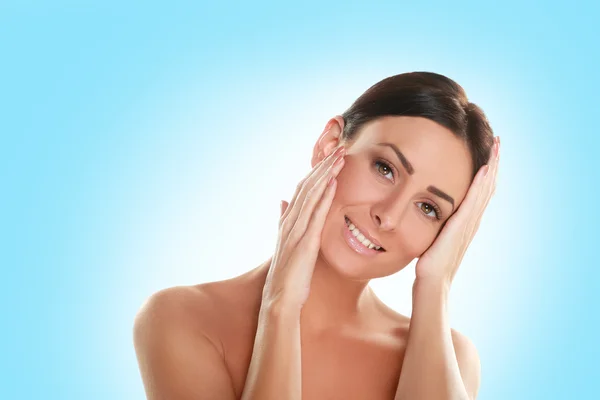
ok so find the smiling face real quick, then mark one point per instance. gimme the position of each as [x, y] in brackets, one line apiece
[403, 178]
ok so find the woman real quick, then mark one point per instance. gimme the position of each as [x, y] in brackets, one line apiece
[400, 175]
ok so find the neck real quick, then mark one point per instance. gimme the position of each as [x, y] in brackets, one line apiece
[334, 302]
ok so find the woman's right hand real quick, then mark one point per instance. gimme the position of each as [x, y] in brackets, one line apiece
[287, 285]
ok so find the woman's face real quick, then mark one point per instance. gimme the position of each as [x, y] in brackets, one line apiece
[403, 178]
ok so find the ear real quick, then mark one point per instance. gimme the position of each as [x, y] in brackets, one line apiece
[330, 138]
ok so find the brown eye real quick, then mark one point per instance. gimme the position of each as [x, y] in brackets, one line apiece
[427, 208]
[384, 169]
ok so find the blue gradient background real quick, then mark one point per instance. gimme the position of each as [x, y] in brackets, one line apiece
[141, 141]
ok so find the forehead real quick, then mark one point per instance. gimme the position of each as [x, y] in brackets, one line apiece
[437, 156]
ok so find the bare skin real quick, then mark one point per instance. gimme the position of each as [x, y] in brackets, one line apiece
[359, 360]
[197, 342]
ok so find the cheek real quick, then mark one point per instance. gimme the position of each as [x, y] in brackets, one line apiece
[414, 237]
[356, 184]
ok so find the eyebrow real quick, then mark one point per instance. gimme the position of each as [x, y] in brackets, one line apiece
[409, 168]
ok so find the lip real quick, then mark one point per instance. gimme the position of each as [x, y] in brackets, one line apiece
[365, 232]
[356, 245]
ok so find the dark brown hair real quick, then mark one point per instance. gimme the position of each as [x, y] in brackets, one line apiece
[428, 95]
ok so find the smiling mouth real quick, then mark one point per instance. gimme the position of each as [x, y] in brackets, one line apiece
[361, 237]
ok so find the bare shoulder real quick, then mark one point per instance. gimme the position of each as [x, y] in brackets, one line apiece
[464, 347]
[177, 344]
[468, 360]
[467, 355]
[200, 310]
[186, 308]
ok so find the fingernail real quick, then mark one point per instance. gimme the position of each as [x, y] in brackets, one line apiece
[340, 150]
[498, 151]
[485, 170]
[339, 160]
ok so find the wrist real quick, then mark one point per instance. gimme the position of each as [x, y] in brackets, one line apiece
[437, 287]
[280, 311]
[439, 281]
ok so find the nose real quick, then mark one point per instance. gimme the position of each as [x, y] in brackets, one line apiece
[387, 214]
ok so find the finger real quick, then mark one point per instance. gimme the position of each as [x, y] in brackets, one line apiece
[490, 179]
[467, 217]
[297, 204]
[490, 186]
[312, 199]
[317, 220]
[301, 184]
[480, 203]
[288, 221]
[474, 191]
[495, 177]
[310, 242]
[284, 206]
[486, 191]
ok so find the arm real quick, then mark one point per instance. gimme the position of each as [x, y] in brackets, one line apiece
[275, 368]
[437, 365]
[177, 359]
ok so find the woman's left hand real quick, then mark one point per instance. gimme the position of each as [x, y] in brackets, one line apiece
[442, 259]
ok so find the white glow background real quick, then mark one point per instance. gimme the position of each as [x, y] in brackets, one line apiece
[208, 201]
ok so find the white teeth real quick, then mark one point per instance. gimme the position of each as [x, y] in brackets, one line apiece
[361, 238]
